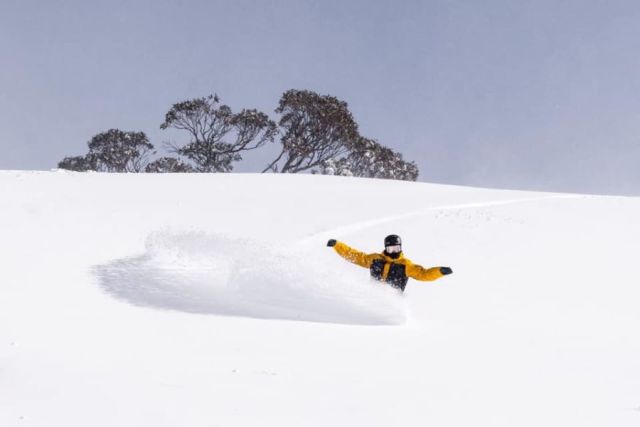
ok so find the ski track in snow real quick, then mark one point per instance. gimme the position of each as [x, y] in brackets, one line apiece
[362, 225]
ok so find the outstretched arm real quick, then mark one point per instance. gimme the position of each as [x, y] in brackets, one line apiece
[418, 272]
[350, 254]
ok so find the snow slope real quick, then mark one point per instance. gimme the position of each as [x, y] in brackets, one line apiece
[212, 300]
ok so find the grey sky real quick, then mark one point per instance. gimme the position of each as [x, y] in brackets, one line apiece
[531, 94]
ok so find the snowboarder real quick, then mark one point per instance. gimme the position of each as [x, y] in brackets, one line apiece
[390, 266]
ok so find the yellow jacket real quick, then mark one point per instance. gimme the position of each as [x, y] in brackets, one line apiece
[395, 271]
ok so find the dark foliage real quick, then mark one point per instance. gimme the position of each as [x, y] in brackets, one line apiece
[218, 137]
[369, 159]
[168, 165]
[78, 164]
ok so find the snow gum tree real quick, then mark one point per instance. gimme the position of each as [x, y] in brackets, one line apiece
[319, 134]
[119, 151]
[315, 128]
[112, 151]
[218, 137]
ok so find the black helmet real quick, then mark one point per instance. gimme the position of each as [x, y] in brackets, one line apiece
[393, 246]
[392, 240]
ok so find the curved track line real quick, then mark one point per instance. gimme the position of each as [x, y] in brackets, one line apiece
[360, 225]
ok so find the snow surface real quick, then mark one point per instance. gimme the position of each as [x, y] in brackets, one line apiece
[212, 300]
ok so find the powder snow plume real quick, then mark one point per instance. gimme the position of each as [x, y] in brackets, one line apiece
[217, 274]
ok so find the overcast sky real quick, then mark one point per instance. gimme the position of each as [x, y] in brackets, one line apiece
[538, 94]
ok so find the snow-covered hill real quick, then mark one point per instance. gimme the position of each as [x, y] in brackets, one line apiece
[212, 300]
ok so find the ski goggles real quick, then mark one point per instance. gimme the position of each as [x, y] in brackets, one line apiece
[394, 249]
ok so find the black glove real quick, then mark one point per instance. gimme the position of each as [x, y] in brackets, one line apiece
[331, 243]
[445, 270]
